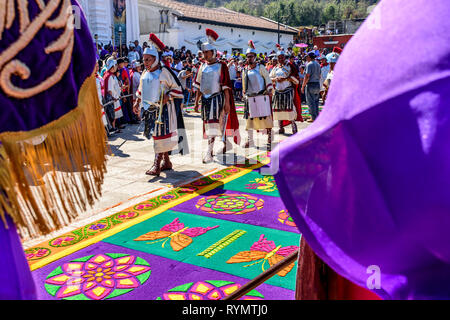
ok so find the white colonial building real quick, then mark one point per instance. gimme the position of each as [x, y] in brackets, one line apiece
[179, 24]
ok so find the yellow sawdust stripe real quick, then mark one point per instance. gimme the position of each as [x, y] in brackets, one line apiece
[126, 225]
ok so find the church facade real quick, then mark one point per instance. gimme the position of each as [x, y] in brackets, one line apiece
[112, 20]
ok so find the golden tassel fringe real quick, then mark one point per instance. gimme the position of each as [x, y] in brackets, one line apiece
[45, 185]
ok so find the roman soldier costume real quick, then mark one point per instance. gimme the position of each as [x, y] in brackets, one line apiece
[297, 98]
[283, 101]
[212, 81]
[160, 118]
[257, 89]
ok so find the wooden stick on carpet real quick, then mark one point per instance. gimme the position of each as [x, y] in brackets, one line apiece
[263, 277]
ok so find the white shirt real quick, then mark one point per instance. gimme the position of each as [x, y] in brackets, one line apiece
[178, 66]
[180, 77]
[323, 75]
[114, 87]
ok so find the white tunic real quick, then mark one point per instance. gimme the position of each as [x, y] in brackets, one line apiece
[323, 76]
[99, 92]
[114, 87]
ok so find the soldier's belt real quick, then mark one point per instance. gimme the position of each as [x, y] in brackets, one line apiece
[261, 93]
[152, 105]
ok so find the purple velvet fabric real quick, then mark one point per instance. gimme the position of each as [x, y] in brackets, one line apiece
[24, 115]
[15, 276]
[368, 183]
[32, 113]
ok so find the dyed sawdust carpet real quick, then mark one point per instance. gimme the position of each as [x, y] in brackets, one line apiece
[201, 241]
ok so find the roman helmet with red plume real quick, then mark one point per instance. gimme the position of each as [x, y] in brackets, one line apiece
[212, 37]
[251, 47]
[337, 50]
[156, 42]
[155, 49]
[280, 50]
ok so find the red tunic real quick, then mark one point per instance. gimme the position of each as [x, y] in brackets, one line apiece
[317, 281]
[106, 77]
[233, 122]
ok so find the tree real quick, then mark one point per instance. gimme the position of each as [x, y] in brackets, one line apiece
[330, 12]
[348, 9]
[309, 12]
[296, 12]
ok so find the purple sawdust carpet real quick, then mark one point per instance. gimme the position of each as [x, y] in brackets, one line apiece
[203, 248]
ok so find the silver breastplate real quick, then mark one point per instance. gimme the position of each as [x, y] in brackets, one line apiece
[282, 72]
[255, 81]
[151, 89]
[210, 82]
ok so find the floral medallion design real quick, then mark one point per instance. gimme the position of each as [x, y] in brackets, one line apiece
[201, 182]
[265, 184]
[63, 241]
[37, 253]
[97, 277]
[145, 206]
[187, 190]
[97, 226]
[285, 218]
[208, 290]
[232, 170]
[230, 204]
[126, 215]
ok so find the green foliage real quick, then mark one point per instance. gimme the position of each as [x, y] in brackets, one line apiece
[295, 12]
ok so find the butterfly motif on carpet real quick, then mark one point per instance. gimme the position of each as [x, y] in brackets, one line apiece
[180, 236]
[264, 251]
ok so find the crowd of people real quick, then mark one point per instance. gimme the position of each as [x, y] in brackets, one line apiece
[154, 84]
[120, 69]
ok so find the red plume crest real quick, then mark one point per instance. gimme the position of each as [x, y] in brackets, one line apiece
[158, 43]
[337, 50]
[251, 44]
[212, 34]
